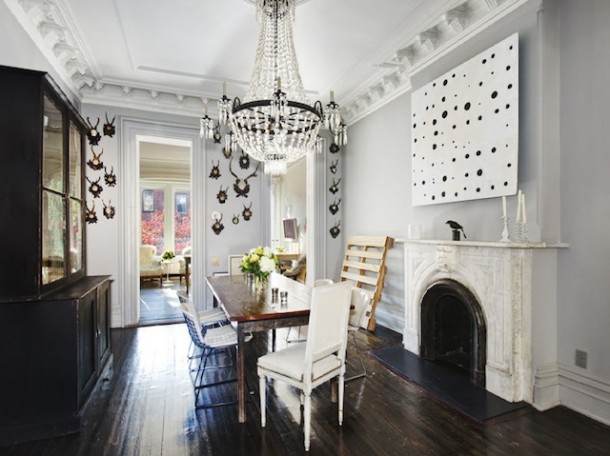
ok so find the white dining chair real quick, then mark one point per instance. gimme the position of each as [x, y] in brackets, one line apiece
[308, 365]
[317, 283]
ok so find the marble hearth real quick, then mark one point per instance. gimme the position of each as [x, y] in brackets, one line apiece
[505, 279]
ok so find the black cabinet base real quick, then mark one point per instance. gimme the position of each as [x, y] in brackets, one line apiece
[54, 357]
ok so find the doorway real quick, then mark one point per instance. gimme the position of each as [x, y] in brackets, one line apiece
[136, 133]
[165, 227]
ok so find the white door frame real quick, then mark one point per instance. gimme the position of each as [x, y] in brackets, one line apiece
[132, 131]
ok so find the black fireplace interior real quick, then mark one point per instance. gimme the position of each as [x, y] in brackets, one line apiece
[453, 329]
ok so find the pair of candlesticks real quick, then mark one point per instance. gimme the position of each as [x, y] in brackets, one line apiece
[520, 231]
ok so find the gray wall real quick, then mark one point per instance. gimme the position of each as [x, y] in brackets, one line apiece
[378, 164]
[584, 288]
[563, 158]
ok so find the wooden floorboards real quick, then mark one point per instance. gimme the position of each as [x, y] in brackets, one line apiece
[146, 408]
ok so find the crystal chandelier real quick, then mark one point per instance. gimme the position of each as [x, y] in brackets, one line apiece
[275, 123]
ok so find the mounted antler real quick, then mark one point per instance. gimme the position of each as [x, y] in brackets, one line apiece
[333, 166]
[108, 128]
[215, 171]
[93, 135]
[244, 160]
[95, 188]
[109, 210]
[247, 212]
[334, 231]
[90, 216]
[95, 163]
[222, 195]
[110, 177]
[334, 208]
[335, 187]
[241, 186]
[217, 226]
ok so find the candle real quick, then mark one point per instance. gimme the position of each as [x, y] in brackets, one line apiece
[504, 206]
[279, 83]
[224, 88]
[332, 96]
[524, 217]
[519, 206]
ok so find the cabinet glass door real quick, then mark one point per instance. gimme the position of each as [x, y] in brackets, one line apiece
[53, 235]
[53, 147]
[75, 194]
[53, 194]
[74, 146]
[76, 236]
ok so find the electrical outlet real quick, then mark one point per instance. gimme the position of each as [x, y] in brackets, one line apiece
[581, 359]
[215, 261]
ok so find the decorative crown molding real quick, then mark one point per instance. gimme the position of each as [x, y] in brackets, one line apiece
[49, 23]
[450, 29]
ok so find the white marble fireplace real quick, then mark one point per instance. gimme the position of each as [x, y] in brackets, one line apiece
[502, 278]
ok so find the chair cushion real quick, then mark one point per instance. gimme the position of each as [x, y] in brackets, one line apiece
[225, 336]
[290, 362]
[151, 272]
[211, 316]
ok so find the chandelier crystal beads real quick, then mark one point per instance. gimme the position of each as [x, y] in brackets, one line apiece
[275, 123]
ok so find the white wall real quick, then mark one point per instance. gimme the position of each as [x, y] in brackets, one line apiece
[103, 238]
[584, 288]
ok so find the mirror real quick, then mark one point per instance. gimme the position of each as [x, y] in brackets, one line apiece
[288, 212]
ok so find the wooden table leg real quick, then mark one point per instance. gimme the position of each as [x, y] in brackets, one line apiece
[241, 384]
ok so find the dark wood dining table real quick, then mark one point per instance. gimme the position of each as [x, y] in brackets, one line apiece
[252, 310]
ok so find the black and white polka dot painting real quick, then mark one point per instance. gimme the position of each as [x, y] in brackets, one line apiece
[465, 129]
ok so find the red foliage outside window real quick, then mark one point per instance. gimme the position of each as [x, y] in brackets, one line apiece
[182, 231]
[152, 230]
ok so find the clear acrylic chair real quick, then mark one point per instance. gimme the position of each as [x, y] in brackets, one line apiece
[360, 300]
[308, 365]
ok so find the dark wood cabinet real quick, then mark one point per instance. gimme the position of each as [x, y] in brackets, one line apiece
[54, 319]
[53, 355]
[42, 189]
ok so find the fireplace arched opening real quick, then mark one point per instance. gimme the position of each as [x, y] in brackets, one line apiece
[453, 329]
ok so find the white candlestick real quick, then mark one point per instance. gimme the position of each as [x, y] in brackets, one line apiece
[519, 206]
[504, 206]
[524, 218]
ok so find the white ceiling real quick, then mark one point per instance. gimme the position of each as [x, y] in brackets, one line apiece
[169, 55]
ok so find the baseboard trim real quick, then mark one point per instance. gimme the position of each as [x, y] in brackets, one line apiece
[585, 393]
[546, 386]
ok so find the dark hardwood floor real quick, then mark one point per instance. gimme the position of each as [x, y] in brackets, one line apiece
[159, 304]
[146, 408]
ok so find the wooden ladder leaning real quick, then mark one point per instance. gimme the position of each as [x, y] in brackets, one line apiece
[365, 265]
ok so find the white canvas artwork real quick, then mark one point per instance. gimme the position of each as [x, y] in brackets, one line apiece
[465, 129]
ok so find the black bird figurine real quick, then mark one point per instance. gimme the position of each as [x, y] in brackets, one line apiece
[456, 228]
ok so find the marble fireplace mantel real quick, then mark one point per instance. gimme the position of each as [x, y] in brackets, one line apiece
[502, 278]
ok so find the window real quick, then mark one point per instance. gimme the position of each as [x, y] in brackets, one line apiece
[159, 228]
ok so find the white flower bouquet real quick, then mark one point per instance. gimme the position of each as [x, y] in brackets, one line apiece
[260, 261]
